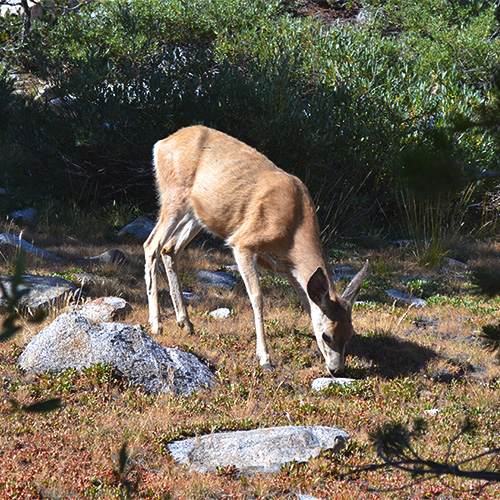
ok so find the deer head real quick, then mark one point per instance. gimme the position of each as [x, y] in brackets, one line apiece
[331, 316]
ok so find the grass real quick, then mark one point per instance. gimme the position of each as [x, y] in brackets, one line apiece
[409, 363]
[433, 225]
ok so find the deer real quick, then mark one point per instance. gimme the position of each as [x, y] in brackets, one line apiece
[212, 181]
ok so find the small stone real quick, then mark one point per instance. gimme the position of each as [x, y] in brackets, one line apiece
[219, 279]
[344, 269]
[342, 272]
[113, 256]
[190, 296]
[454, 264]
[139, 229]
[402, 243]
[221, 313]
[319, 384]
[432, 411]
[26, 214]
[407, 299]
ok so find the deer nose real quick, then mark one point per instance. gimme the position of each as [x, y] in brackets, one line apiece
[336, 372]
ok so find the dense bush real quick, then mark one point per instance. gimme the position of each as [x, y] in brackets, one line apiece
[336, 105]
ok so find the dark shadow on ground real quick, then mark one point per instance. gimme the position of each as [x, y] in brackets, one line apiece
[388, 356]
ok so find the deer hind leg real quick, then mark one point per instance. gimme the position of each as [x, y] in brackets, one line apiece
[164, 232]
[186, 230]
[247, 265]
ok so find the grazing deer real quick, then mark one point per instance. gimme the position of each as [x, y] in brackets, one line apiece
[208, 180]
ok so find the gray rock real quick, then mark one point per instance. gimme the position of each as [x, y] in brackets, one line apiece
[219, 279]
[339, 276]
[190, 296]
[43, 292]
[407, 299]
[256, 451]
[221, 313]
[86, 278]
[342, 272]
[12, 240]
[113, 256]
[306, 497]
[104, 309]
[139, 229]
[26, 214]
[344, 269]
[453, 265]
[402, 243]
[320, 384]
[72, 341]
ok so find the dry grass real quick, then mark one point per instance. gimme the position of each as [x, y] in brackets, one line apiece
[408, 361]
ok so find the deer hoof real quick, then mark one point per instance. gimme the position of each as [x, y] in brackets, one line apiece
[186, 326]
[155, 328]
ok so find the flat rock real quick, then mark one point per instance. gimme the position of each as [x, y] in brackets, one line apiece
[139, 229]
[15, 241]
[322, 383]
[104, 309]
[73, 341]
[256, 451]
[43, 292]
[219, 279]
[407, 299]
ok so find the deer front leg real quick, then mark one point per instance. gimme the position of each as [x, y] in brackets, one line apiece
[185, 230]
[178, 300]
[247, 266]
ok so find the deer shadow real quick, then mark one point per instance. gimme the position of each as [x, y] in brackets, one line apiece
[389, 356]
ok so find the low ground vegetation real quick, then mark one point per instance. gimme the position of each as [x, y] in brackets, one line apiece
[409, 363]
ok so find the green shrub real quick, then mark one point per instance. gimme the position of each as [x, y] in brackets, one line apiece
[335, 105]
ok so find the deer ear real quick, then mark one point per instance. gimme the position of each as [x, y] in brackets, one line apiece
[317, 288]
[352, 291]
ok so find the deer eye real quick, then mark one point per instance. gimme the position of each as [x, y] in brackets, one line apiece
[327, 338]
